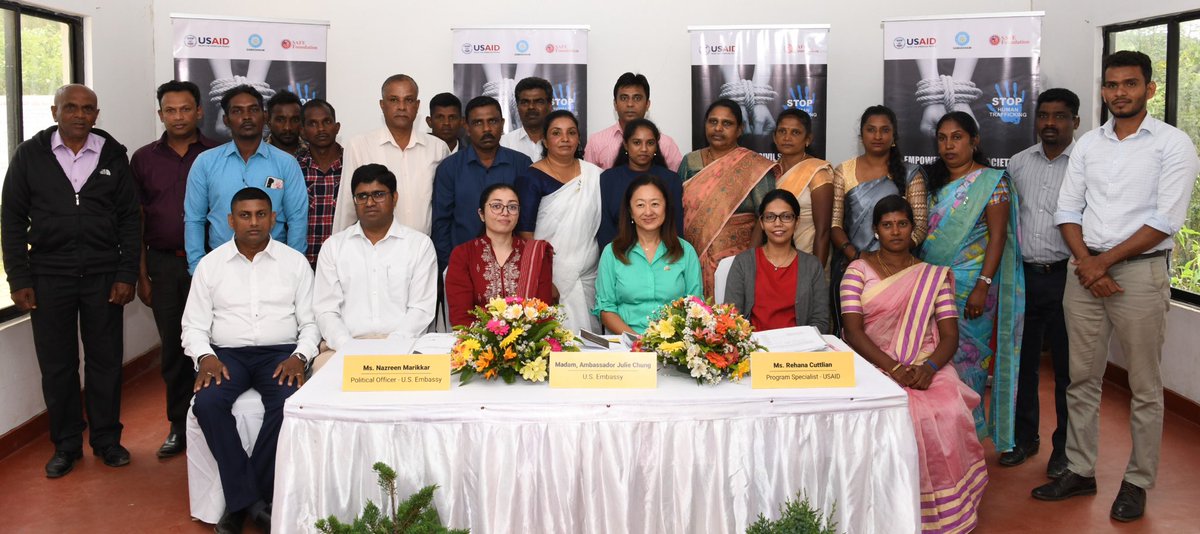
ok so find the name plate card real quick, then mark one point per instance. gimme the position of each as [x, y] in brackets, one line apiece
[407, 372]
[610, 370]
[778, 370]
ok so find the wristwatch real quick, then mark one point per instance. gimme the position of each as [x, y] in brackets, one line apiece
[303, 359]
[985, 279]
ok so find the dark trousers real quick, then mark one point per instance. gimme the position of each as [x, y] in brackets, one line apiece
[244, 479]
[66, 305]
[1043, 320]
[170, 283]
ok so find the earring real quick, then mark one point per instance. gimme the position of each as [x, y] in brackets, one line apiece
[876, 237]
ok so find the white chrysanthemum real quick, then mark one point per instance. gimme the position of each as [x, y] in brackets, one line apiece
[513, 312]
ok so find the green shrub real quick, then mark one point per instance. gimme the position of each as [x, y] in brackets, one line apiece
[796, 517]
[416, 515]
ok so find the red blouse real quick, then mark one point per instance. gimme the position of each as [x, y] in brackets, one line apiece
[474, 277]
[774, 294]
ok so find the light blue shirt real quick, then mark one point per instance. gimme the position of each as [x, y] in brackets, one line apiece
[220, 173]
[637, 290]
[1038, 181]
[1113, 186]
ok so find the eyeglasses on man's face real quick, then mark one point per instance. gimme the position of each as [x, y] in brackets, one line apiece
[377, 196]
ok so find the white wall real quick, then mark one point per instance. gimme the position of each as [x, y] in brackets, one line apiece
[118, 61]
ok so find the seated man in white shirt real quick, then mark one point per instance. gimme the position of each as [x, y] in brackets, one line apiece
[249, 324]
[378, 278]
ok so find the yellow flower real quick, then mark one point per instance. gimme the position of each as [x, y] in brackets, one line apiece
[665, 329]
[535, 371]
[671, 347]
[497, 306]
[469, 346]
[512, 336]
[743, 367]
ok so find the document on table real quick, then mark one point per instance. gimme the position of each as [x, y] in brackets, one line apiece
[435, 343]
[794, 339]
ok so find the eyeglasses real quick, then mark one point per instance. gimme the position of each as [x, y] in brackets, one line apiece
[377, 196]
[498, 208]
[785, 218]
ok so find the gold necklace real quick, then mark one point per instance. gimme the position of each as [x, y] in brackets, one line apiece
[886, 268]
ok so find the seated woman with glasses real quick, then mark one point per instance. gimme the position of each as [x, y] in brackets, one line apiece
[497, 263]
[776, 285]
[647, 265]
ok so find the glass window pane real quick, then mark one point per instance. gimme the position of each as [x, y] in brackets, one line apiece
[45, 66]
[1151, 41]
[7, 131]
[1186, 261]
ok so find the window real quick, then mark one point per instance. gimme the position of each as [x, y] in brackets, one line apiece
[39, 52]
[1173, 44]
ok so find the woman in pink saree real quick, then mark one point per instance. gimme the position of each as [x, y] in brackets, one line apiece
[898, 312]
[723, 184]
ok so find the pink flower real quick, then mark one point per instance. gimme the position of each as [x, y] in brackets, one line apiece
[702, 304]
[497, 327]
[554, 344]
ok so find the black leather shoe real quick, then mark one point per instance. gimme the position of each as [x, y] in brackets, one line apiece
[114, 456]
[1065, 487]
[231, 523]
[1057, 466]
[1018, 455]
[172, 446]
[62, 462]
[1130, 503]
[260, 514]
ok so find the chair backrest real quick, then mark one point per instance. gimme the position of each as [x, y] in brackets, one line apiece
[720, 277]
[443, 321]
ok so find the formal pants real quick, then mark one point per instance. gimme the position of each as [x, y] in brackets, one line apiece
[1043, 321]
[1138, 317]
[66, 305]
[170, 283]
[244, 479]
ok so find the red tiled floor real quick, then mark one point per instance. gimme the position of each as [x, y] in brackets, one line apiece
[151, 495]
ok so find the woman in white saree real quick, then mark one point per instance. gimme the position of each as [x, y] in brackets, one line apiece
[560, 203]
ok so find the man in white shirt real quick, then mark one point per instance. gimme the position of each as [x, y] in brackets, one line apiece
[249, 324]
[533, 104]
[1124, 197]
[411, 155]
[631, 100]
[378, 278]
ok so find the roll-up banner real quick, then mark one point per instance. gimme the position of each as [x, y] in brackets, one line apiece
[985, 65]
[219, 54]
[490, 61]
[765, 69]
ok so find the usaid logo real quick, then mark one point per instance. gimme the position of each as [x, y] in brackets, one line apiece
[718, 50]
[255, 41]
[522, 46]
[962, 39]
[914, 42]
[206, 41]
[468, 48]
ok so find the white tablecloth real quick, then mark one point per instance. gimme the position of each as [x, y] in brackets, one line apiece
[526, 458]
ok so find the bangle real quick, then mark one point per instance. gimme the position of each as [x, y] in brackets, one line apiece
[985, 279]
[933, 365]
[894, 368]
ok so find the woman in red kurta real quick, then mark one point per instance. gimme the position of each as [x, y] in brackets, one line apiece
[497, 263]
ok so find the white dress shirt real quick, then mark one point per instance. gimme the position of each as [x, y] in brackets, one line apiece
[235, 302]
[1038, 181]
[1114, 187]
[519, 140]
[387, 288]
[413, 166]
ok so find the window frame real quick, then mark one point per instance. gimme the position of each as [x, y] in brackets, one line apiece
[1170, 95]
[16, 119]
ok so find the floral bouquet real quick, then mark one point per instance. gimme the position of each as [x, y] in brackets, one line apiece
[708, 342]
[510, 337]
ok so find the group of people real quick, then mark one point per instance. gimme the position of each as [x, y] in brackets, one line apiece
[261, 257]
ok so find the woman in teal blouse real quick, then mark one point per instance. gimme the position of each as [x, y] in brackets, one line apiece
[647, 265]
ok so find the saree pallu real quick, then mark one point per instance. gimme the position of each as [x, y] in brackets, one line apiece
[958, 239]
[898, 315]
[710, 201]
[568, 219]
[800, 180]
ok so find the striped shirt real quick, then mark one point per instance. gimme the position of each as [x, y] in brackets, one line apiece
[1038, 181]
[603, 146]
[1113, 187]
[856, 281]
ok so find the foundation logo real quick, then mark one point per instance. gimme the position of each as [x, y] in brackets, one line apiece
[559, 48]
[296, 44]
[522, 47]
[1010, 39]
[286, 44]
[962, 39]
[255, 41]
[205, 41]
[914, 42]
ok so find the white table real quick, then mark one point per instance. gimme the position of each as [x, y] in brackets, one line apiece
[527, 458]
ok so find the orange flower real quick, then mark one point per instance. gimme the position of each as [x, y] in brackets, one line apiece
[490, 374]
[485, 359]
[508, 353]
[724, 323]
[732, 357]
[717, 360]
